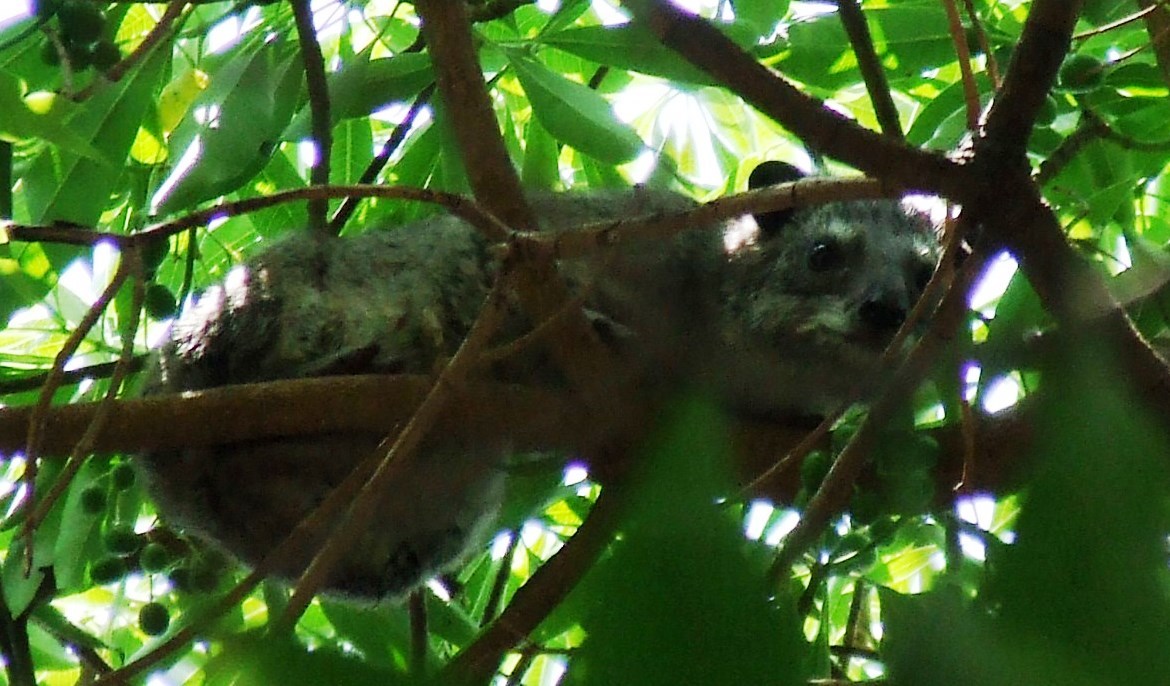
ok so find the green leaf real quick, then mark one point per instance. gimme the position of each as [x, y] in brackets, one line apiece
[377, 633]
[20, 589]
[67, 186]
[541, 155]
[683, 604]
[353, 149]
[43, 116]
[932, 126]
[627, 47]
[574, 114]
[762, 13]
[363, 86]
[910, 38]
[1088, 574]
[972, 652]
[252, 100]
[77, 541]
[257, 659]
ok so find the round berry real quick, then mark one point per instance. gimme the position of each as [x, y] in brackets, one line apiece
[1081, 73]
[160, 303]
[82, 22]
[154, 619]
[104, 54]
[121, 540]
[107, 570]
[155, 558]
[154, 252]
[93, 499]
[122, 476]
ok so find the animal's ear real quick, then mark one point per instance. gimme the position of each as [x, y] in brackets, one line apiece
[771, 173]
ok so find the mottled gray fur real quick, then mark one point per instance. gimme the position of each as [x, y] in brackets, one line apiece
[787, 322]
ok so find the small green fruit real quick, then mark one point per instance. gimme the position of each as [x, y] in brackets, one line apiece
[104, 54]
[1081, 73]
[93, 499]
[181, 579]
[122, 476]
[197, 576]
[814, 468]
[153, 253]
[154, 619]
[82, 22]
[160, 303]
[107, 570]
[1047, 113]
[121, 540]
[204, 577]
[882, 529]
[155, 558]
[866, 506]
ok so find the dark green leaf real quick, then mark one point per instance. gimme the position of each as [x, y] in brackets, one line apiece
[574, 114]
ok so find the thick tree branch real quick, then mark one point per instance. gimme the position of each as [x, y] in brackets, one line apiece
[1157, 19]
[283, 408]
[542, 291]
[447, 29]
[532, 419]
[1014, 215]
[1044, 43]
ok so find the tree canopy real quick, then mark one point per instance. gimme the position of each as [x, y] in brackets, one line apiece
[994, 511]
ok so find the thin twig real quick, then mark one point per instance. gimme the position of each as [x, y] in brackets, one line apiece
[874, 75]
[977, 23]
[532, 602]
[106, 407]
[319, 109]
[18, 662]
[350, 203]
[963, 53]
[418, 633]
[68, 234]
[822, 129]
[101, 370]
[492, 606]
[1148, 7]
[38, 419]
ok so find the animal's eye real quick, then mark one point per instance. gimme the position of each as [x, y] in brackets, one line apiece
[825, 255]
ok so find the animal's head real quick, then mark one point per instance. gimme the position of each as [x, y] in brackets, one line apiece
[852, 269]
[819, 292]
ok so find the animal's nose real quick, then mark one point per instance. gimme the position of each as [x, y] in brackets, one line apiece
[881, 314]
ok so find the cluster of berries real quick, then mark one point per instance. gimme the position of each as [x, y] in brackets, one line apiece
[84, 33]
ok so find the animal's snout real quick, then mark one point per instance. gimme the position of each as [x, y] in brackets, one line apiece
[882, 314]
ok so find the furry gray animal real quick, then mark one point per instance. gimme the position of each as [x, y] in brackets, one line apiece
[786, 323]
